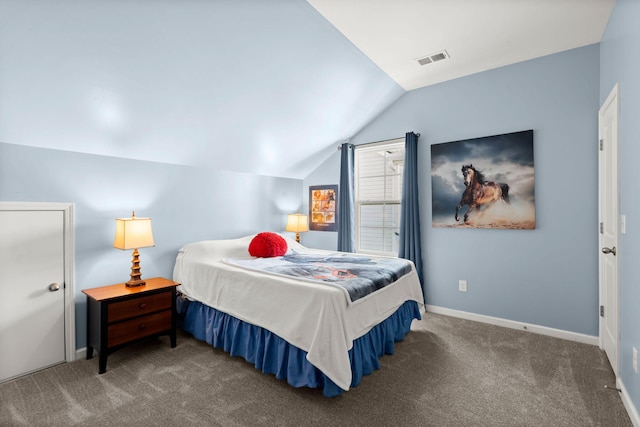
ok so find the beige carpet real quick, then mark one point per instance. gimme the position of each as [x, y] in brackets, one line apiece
[447, 372]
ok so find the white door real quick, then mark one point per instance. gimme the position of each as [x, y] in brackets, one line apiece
[32, 294]
[608, 206]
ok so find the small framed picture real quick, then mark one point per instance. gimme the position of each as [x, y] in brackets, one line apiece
[323, 208]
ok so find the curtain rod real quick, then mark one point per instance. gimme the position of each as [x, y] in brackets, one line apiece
[374, 142]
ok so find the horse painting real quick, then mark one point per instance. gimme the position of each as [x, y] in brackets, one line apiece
[479, 192]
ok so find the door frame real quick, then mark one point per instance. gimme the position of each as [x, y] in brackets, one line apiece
[613, 97]
[69, 265]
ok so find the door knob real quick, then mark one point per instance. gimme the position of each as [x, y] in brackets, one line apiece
[609, 251]
[54, 287]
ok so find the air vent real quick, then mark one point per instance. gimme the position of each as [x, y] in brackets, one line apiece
[434, 57]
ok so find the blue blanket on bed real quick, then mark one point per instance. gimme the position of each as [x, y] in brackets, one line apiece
[359, 275]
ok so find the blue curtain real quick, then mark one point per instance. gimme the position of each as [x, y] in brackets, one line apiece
[346, 217]
[410, 247]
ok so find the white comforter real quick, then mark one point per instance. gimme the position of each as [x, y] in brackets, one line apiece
[314, 317]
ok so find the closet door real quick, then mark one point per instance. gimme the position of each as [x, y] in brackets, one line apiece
[32, 295]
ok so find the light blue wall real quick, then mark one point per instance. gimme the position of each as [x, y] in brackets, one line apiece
[188, 82]
[185, 204]
[547, 276]
[620, 63]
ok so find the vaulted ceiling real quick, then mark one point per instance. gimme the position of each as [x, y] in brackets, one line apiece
[475, 35]
[264, 87]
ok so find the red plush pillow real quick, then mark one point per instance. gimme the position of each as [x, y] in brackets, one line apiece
[266, 245]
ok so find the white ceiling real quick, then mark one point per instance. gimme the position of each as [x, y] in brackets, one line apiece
[478, 35]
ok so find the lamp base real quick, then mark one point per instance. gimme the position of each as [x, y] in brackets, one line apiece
[298, 237]
[134, 283]
[136, 275]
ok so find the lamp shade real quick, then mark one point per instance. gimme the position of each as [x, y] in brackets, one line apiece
[297, 223]
[133, 233]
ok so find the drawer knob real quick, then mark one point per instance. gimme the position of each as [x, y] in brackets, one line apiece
[142, 326]
[142, 305]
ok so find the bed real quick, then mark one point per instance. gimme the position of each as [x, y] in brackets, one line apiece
[306, 331]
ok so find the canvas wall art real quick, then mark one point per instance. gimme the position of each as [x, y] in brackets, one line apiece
[485, 182]
[323, 207]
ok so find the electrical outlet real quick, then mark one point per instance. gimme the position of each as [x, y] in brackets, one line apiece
[462, 285]
[635, 360]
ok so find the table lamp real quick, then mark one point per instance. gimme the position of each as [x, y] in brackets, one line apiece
[133, 233]
[297, 223]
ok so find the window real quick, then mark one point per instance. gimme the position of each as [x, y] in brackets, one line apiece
[378, 192]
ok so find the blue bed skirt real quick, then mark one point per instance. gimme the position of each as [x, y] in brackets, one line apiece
[273, 355]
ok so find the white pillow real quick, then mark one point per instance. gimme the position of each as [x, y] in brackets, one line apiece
[213, 250]
[218, 249]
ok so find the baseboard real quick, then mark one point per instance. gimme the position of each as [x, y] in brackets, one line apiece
[628, 404]
[543, 330]
[81, 353]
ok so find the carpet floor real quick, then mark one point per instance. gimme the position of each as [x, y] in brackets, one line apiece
[446, 372]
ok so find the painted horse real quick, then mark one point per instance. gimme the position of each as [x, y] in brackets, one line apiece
[479, 192]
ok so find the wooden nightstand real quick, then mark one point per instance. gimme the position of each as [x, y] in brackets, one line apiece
[118, 316]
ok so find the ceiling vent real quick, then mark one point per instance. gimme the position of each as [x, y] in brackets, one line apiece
[434, 57]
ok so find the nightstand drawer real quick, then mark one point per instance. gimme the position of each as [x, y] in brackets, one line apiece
[139, 306]
[139, 327]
